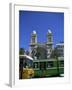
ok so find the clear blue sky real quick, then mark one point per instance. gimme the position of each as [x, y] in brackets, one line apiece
[41, 22]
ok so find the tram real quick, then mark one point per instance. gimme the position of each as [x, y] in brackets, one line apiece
[48, 67]
[25, 67]
[40, 68]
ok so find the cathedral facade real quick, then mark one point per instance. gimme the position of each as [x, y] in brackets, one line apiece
[41, 50]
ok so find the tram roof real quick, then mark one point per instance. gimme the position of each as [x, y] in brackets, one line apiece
[26, 56]
[51, 59]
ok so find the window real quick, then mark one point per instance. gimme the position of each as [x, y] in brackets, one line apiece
[61, 63]
[49, 39]
[42, 65]
[33, 39]
[35, 65]
[50, 64]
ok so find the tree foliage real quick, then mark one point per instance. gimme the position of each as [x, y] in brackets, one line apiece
[27, 52]
[54, 53]
[41, 53]
[21, 51]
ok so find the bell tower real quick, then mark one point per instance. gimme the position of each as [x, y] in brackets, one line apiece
[33, 43]
[49, 43]
[33, 37]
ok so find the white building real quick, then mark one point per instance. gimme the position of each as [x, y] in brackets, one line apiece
[60, 48]
[48, 46]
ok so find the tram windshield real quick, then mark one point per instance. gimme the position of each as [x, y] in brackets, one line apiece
[26, 61]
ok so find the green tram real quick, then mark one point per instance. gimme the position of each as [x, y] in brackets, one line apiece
[48, 67]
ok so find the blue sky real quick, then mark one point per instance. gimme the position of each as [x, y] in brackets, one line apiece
[40, 22]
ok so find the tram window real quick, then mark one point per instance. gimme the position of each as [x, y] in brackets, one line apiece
[36, 65]
[30, 63]
[25, 64]
[50, 64]
[61, 63]
[42, 65]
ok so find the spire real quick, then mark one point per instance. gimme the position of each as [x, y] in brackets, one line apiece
[49, 31]
[34, 32]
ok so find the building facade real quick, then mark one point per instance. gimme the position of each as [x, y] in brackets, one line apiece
[60, 49]
[45, 47]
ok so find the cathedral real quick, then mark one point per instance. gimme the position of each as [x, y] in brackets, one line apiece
[44, 49]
